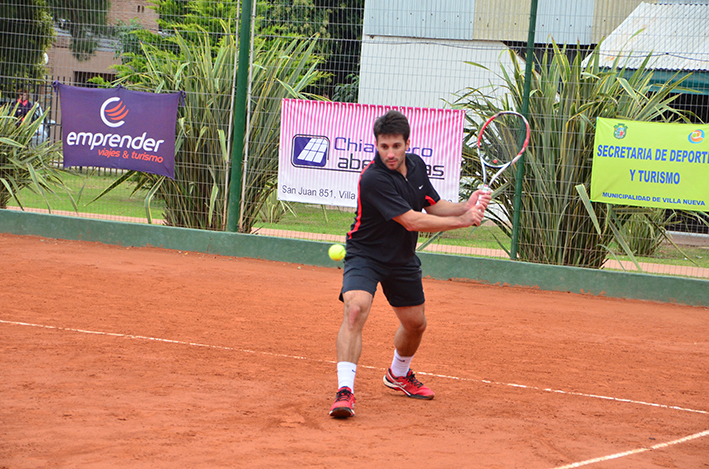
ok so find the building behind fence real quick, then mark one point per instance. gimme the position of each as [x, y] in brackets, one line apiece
[428, 53]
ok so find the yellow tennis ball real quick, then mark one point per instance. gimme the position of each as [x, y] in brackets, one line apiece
[336, 252]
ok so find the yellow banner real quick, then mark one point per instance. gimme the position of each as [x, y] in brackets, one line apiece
[650, 164]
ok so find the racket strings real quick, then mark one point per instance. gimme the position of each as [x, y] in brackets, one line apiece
[501, 140]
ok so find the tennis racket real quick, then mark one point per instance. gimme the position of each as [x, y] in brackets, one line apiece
[502, 140]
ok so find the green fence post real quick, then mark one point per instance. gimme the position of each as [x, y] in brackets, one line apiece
[240, 110]
[525, 111]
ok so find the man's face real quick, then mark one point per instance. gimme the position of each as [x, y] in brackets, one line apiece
[392, 151]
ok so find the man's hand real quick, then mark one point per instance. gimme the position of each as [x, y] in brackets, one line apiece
[473, 217]
[480, 198]
[477, 202]
[445, 215]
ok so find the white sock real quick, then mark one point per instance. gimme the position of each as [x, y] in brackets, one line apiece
[346, 372]
[400, 365]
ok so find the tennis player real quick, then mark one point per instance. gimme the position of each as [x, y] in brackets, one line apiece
[393, 191]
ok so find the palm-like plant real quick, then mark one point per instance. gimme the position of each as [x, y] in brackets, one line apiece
[646, 230]
[565, 100]
[23, 165]
[197, 197]
[282, 69]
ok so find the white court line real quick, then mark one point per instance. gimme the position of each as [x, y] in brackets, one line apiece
[485, 381]
[635, 451]
[572, 393]
[535, 388]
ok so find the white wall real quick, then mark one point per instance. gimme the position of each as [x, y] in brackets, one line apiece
[426, 72]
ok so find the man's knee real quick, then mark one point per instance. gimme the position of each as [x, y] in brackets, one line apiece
[417, 325]
[355, 315]
[412, 319]
[357, 306]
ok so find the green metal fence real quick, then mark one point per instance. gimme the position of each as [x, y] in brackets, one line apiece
[236, 61]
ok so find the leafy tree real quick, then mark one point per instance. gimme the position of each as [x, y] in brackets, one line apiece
[336, 23]
[344, 45]
[86, 21]
[192, 18]
[286, 18]
[189, 19]
[128, 35]
[26, 33]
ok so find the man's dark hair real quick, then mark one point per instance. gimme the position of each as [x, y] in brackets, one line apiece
[392, 123]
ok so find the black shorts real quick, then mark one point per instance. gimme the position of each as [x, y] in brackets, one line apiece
[401, 284]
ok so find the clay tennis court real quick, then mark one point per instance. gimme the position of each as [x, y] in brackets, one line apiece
[152, 358]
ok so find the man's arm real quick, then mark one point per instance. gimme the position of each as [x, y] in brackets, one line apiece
[432, 223]
[444, 208]
[417, 221]
[448, 216]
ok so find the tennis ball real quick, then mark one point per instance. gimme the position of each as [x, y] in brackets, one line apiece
[336, 252]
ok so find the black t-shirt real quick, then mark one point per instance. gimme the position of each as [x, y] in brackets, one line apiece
[382, 195]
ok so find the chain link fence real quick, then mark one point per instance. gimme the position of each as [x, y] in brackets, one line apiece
[431, 53]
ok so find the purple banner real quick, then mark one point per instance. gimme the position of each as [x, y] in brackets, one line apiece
[119, 128]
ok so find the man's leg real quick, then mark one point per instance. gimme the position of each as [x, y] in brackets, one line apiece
[349, 348]
[411, 328]
[349, 339]
[407, 340]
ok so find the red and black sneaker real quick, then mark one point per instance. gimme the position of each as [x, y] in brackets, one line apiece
[409, 385]
[344, 404]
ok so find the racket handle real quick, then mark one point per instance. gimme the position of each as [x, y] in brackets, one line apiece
[484, 188]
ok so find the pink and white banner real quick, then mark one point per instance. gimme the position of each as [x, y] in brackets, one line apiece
[326, 145]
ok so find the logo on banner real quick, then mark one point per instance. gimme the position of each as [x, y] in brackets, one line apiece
[697, 136]
[113, 116]
[620, 131]
[310, 151]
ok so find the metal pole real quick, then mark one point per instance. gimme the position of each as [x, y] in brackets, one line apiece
[230, 137]
[525, 111]
[242, 82]
[242, 204]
